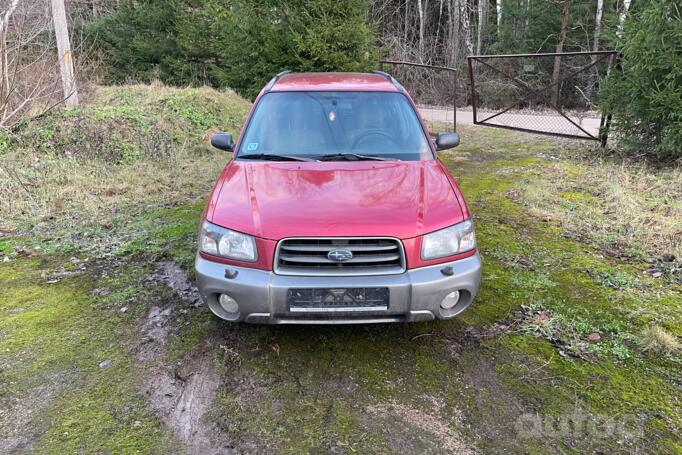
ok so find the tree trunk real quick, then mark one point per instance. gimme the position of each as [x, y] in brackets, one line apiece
[556, 74]
[498, 9]
[65, 56]
[527, 21]
[464, 18]
[482, 10]
[621, 17]
[407, 27]
[440, 17]
[452, 35]
[5, 88]
[595, 47]
[597, 27]
[420, 10]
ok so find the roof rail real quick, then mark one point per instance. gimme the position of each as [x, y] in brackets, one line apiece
[390, 78]
[270, 84]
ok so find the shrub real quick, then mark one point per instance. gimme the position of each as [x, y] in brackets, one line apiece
[5, 141]
[646, 97]
[123, 124]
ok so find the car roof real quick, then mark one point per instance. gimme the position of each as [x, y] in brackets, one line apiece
[371, 82]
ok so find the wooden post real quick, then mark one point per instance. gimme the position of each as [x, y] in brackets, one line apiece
[65, 56]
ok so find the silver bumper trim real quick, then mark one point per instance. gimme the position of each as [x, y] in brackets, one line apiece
[343, 309]
[415, 295]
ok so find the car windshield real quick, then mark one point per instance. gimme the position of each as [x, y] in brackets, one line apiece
[335, 125]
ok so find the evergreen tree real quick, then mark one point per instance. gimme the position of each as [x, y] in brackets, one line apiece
[234, 43]
[646, 97]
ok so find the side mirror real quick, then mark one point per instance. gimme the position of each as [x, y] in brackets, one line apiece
[446, 141]
[222, 141]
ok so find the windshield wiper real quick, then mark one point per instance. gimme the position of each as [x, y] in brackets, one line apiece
[352, 157]
[272, 157]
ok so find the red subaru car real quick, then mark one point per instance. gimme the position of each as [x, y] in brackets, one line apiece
[335, 209]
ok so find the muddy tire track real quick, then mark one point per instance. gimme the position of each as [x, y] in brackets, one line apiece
[420, 422]
[180, 395]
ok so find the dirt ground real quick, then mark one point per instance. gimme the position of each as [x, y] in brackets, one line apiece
[108, 348]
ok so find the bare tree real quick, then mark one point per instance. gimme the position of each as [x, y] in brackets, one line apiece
[595, 47]
[29, 77]
[422, 25]
[482, 13]
[556, 73]
[463, 11]
[498, 10]
[4, 58]
[407, 22]
[597, 27]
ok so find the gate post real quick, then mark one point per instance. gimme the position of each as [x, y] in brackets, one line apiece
[605, 123]
[473, 89]
[455, 75]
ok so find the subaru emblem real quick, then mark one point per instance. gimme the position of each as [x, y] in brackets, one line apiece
[340, 255]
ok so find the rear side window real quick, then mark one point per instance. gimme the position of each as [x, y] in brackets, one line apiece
[326, 123]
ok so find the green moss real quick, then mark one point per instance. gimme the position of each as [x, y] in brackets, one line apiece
[577, 196]
[104, 415]
[303, 409]
[555, 274]
[556, 384]
[53, 338]
[192, 334]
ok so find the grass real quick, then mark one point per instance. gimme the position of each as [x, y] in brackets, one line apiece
[624, 208]
[131, 148]
[52, 339]
[572, 324]
[661, 341]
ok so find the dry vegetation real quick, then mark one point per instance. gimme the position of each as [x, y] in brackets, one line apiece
[129, 149]
[629, 207]
[661, 341]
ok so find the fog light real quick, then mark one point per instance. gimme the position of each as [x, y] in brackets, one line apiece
[228, 303]
[450, 300]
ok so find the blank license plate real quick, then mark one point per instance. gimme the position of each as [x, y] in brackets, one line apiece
[338, 299]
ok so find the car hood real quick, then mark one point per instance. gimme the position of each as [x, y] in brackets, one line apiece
[275, 200]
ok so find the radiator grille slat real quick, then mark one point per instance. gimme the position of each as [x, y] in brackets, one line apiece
[370, 256]
[323, 259]
[326, 248]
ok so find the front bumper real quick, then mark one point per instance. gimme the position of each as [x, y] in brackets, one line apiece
[413, 296]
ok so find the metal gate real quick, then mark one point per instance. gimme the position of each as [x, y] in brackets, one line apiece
[553, 93]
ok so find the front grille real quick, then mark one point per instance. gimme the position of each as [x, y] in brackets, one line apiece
[337, 300]
[370, 256]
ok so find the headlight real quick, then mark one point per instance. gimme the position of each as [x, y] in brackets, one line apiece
[453, 240]
[226, 243]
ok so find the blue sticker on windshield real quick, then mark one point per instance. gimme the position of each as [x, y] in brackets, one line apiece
[252, 146]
